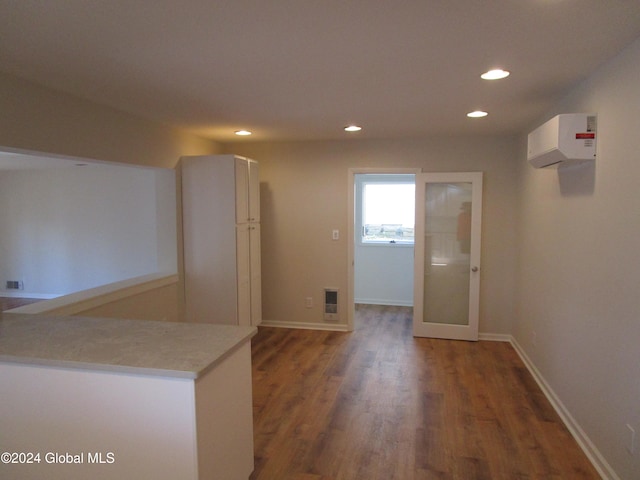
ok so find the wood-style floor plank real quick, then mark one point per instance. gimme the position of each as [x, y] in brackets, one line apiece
[377, 403]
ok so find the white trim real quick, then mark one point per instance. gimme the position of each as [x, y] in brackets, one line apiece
[70, 159]
[13, 294]
[306, 326]
[378, 301]
[495, 337]
[84, 300]
[584, 442]
[386, 244]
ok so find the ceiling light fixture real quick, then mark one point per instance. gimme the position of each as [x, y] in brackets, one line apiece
[477, 114]
[242, 132]
[352, 128]
[496, 74]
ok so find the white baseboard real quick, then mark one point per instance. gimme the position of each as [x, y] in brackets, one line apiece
[305, 326]
[495, 337]
[585, 443]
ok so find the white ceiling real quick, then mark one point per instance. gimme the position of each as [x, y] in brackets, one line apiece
[302, 69]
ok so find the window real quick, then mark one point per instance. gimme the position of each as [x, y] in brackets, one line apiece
[387, 209]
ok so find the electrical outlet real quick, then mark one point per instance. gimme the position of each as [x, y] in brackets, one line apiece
[308, 302]
[631, 446]
[335, 235]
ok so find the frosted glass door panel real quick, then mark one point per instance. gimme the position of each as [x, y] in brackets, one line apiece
[447, 245]
[447, 255]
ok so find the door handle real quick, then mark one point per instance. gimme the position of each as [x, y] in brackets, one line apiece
[474, 269]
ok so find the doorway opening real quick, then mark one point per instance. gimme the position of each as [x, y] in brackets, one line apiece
[381, 238]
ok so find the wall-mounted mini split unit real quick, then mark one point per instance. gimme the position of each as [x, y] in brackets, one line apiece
[565, 139]
[331, 304]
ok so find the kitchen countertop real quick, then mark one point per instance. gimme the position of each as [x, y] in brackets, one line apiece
[186, 350]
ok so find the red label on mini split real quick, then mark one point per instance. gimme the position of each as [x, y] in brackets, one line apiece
[585, 136]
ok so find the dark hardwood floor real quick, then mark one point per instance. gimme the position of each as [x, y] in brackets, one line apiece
[7, 303]
[379, 404]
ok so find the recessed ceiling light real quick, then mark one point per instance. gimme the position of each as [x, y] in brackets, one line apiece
[242, 132]
[496, 74]
[477, 114]
[352, 128]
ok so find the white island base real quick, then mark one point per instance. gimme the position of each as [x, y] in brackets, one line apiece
[79, 423]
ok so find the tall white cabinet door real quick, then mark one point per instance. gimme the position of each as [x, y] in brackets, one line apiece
[256, 276]
[221, 232]
[242, 189]
[243, 266]
[254, 191]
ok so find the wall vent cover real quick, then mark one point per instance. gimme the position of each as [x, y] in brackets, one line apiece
[331, 304]
[14, 285]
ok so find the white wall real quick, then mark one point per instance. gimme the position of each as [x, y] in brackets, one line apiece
[578, 277]
[383, 275]
[65, 230]
[304, 190]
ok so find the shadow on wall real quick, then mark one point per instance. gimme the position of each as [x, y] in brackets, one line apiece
[578, 179]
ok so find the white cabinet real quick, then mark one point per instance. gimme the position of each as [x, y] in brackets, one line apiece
[247, 190]
[221, 238]
[138, 426]
[158, 400]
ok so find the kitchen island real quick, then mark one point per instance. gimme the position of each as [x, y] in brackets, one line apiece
[128, 399]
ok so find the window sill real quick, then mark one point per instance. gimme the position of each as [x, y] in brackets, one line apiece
[386, 244]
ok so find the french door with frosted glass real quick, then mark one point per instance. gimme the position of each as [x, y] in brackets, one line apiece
[447, 255]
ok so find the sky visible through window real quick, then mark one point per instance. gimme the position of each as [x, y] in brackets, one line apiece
[389, 212]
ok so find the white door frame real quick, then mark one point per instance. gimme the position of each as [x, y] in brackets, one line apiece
[351, 177]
